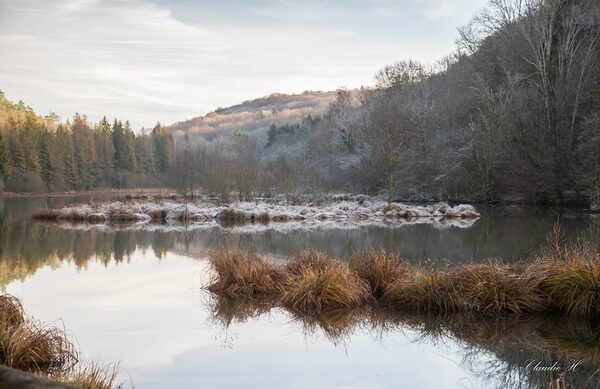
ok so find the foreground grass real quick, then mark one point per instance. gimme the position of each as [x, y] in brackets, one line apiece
[43, 349]
[563, 281]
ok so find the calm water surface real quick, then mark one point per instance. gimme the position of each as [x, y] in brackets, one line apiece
[135, 297]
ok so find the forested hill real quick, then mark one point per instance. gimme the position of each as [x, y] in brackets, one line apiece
[255, 116]
[39, 154]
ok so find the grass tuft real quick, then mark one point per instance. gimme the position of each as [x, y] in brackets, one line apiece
[573, 282]
[314, 283]
[93, 376]
[45, 349]
[380, 270]
[241, 275]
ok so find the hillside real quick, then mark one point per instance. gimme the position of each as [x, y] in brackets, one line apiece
[256, 115]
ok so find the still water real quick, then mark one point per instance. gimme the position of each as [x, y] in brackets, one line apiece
[136, 296]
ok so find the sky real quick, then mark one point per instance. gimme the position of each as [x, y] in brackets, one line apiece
[148, 61]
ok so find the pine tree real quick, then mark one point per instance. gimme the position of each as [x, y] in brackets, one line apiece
[162, 144]
[51, 168]
[65, 145]
[104, 153]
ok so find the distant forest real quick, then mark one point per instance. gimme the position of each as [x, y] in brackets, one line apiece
[512, 115]
[40, 154]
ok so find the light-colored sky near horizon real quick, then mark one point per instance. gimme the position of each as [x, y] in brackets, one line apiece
[149, 61]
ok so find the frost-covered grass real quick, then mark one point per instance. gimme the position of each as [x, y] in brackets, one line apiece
[357, 210]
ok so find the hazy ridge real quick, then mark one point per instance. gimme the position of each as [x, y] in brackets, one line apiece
[252, 116]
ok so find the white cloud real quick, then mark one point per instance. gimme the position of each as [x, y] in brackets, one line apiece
[144, 62]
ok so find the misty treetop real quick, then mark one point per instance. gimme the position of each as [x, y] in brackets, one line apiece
[40, 154]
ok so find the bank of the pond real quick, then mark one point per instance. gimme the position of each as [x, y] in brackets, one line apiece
[46, 350]
[563, 281]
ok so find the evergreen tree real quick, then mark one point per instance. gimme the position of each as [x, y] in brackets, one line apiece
[51, 168]
[65, 145]
[84, 152]
[143, 153]
[104, 153]
[162, 144]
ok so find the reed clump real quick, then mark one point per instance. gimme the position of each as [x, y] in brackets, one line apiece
[314, 282]
[565, 283]
[572, 279]
[29, 345]
[237, 274]
[45, 349]
[495, 288]
[380, 270]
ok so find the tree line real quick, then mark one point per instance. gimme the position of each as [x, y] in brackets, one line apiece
[40, 154]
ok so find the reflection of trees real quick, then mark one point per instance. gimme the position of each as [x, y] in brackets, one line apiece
[497, 350]
[27, 246]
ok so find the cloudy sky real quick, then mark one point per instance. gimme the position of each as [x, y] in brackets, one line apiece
[161, 60]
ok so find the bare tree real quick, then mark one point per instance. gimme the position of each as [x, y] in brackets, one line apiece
[389, 141]
[401, 73]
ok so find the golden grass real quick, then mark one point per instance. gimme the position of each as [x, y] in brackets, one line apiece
[93, 376]
[29, 345]
[380, 270]
[494, 287]
[315, 282]
[571, 279]
[11, 311]
[45, 349]
[237, 274]
[564, 281]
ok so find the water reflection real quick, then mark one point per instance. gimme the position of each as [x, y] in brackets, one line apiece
[506, 233]
[517, 352]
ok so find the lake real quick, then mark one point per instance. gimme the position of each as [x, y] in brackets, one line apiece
[136, 296]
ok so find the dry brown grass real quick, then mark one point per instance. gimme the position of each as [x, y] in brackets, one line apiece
[241, 275]
[11, 311]
[495, 287]
[314, 282]
[35, 347]
[29, 345]
[380, 270]
[421, 290]
[571, 279]
[564, 280]
[93, 376]
[45, 349]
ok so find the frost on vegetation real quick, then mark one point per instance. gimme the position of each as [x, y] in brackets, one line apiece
[336, 212]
